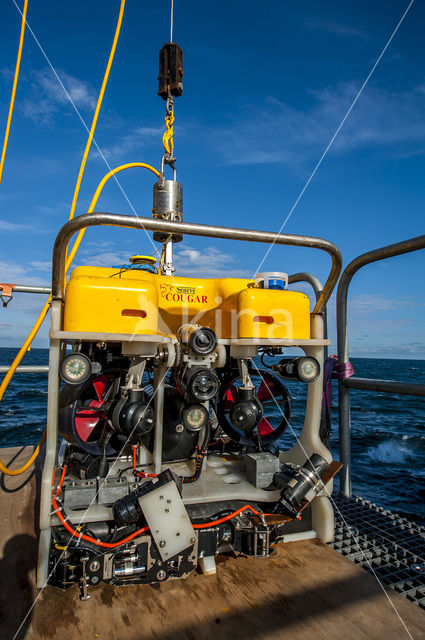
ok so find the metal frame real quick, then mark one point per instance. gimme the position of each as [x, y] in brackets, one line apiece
[187, 228]
[27, 369]
[387, 386]
[314, 281]
[24, 288]
[168, 227]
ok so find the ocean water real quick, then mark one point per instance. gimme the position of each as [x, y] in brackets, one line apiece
[388, 431]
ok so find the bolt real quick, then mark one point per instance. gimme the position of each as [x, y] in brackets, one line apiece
[161, 497]
[168, 501]
[193, 540]
[167, 511]
[94, 566]
[161, 575]
[162, 543]
[95, 580]
[179, 428]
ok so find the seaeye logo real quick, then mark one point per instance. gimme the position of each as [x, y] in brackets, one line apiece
[186, 289]
[177, 293]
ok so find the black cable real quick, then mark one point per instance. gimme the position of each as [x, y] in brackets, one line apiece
[265, 353]
[199, 457]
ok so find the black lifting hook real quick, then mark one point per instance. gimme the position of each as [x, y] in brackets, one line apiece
[170, 79]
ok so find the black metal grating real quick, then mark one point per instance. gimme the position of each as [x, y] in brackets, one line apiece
[377, 539]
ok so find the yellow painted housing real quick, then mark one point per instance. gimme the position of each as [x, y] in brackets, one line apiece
[138, 302]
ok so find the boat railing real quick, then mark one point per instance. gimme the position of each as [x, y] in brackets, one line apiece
[347, 383]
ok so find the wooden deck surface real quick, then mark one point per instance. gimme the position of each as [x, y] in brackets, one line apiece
[304, 591]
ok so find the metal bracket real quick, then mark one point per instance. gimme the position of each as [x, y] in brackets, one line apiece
[84, 595]
[6, 296]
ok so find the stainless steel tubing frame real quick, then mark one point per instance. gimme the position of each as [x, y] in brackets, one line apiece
[413, 244]
[58, 273]
[209, 231]
[24, 288]
[386, 386]
[314, 281]
[27, 369]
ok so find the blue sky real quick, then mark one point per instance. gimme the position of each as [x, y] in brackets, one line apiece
[265, 88]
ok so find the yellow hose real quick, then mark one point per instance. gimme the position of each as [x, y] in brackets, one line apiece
[96, 112]
[34, 330]
[22, 351]
[15, 84]
[94, 201]
[17, 472]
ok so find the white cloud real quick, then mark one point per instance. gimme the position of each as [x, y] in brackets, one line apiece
[137, 139]
[189, 262]
[41, 265]
[276, 132]
[104, 258]
[47, 96]
[20, 274]
[208, 263]
[414, 349]
[337, 29]
[12, 226]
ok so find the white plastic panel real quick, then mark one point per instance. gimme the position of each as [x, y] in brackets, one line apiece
[168, 520]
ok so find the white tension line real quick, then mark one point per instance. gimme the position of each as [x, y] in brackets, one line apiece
[313, 173]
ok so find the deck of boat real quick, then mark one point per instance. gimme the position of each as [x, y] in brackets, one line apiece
[304, 590]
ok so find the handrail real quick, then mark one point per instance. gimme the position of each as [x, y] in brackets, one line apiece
[26, 288]
[210, 231]
[27, 369]
[386, 386]
[389, 251]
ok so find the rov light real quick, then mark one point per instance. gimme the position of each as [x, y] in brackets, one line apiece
[203, 384]
[75, 368]
[306, 369]
[195, 417]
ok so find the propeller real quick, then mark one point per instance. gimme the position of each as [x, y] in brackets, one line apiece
[89, 415]
[274, 398]
[84, 410]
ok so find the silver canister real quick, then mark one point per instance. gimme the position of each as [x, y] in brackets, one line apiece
[168, 205]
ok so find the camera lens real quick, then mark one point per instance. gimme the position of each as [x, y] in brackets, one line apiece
[203, 341]
[203, 385]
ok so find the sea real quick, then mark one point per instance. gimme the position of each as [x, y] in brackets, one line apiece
[388, 431]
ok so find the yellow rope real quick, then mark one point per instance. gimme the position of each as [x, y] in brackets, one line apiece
[15, 84]
[40, 319]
